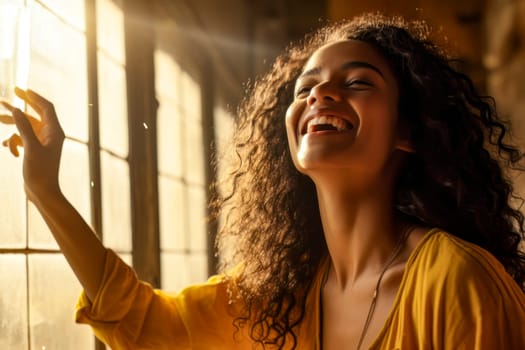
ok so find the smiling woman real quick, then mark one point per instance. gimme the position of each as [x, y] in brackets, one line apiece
[369, 209]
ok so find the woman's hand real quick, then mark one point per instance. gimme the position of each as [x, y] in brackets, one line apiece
[42, 140]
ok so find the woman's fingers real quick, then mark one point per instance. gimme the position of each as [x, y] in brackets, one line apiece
[13, 143]
[8, 106]
[6, 119]
[9, 119]
[41, 105]
[36, 124]
[33, 132]
[42, 140]
[27, 134]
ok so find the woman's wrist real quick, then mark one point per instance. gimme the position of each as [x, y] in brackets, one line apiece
[42, 196]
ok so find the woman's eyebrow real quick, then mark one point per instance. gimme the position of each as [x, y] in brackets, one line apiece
[345, 66]
[361, 64]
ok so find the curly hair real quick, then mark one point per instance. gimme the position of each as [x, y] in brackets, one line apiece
[457, 178]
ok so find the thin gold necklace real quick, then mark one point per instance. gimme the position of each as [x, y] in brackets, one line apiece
[389, 262]
[399, 245]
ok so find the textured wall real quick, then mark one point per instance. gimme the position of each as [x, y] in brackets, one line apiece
[456, 23]
[504, 60]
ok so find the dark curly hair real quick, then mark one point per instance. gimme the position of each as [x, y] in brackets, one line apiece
[456, 180]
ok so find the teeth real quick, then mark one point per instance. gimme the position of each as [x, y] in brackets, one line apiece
[336, 122]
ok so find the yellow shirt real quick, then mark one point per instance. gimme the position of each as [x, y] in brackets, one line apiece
[453, 295]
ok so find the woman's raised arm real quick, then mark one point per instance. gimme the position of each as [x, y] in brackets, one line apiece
[42, 140]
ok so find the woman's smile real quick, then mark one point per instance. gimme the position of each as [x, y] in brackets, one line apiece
[326, 120]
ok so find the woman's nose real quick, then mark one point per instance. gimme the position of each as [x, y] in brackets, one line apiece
[325, 91]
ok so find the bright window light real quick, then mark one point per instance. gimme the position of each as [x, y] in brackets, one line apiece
[14, 48]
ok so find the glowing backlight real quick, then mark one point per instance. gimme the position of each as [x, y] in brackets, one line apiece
[14, 48]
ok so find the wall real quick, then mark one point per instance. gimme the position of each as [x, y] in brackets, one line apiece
[504, 60]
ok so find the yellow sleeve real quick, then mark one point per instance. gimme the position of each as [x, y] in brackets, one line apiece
[476, 305]
[129, 314]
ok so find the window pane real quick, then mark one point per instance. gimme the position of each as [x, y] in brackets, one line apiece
[70, 10]
[110, 29]
[198, 267]
[13, 204]
[39, 235]
[180, 270]
[167, 76]
[58, 69]
[13, 49]
[13, 322]
[113, 109]
[169, 138]
[192, 128]
[116, 219]
[53, 293]
[197, 220]
[169, 115]
[193, 151]
[190, 96]
[74, 176]
[172, 214]
[175, 271]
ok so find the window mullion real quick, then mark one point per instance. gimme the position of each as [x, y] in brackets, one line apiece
[142, 111]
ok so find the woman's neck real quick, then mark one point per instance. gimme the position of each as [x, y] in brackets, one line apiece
[360, 229]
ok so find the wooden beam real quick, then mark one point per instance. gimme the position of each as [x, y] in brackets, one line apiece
[93, 125]
[142, 125]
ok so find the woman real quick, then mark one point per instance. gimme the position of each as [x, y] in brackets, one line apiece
[378, 217]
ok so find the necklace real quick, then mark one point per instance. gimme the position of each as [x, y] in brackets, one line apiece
[393, 256]
[399, 245]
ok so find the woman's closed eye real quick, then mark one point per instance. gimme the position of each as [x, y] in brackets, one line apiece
[354, 84]
[358, 84]
[302, 90]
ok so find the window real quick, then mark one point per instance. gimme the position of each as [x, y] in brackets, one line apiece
[35, 310]
[182, 189]
[77, 59]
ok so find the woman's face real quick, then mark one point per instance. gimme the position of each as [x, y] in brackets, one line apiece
[345, 111]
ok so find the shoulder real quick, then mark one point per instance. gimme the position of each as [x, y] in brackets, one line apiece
[455, 295]
[461, 297]
[442, 250]
[444, 263]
